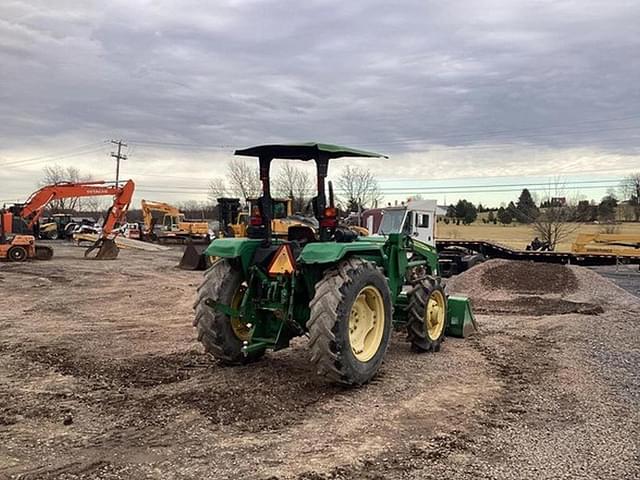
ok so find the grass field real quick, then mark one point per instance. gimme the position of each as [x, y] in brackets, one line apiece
[518, 236]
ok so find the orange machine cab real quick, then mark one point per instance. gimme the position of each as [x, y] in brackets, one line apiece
[7, 223]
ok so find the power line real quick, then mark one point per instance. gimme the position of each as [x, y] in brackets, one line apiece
[74, 152]
[418, 179]
[183, 190]
[550, 184]
[143, 143]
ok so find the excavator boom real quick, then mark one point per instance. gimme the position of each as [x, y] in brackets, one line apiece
[32, 209]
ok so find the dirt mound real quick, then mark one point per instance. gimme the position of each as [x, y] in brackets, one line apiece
[530, 278]
[271, 394]
[143, 371]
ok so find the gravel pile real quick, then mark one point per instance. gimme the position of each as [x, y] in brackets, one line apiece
[593, 287]
[527, 288]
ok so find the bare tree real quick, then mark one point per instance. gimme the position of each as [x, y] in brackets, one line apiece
[94, 204]
[631, 190]
[194, 209]
[295, 183]
[360, 188]
[556, 221]
[217, 189]
[58, 174]
[554, 224]
[242, 180]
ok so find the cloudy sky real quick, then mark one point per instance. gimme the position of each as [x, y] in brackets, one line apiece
[463, 96]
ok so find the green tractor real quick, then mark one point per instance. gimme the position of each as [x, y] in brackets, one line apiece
[343, 291]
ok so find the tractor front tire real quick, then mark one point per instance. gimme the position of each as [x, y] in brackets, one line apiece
[350, 322]
[216, 330]
[427, 313]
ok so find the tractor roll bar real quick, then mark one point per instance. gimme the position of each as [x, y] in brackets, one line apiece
[266, 206]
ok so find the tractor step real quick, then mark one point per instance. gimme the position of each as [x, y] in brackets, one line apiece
[460, 322]
[255, 346]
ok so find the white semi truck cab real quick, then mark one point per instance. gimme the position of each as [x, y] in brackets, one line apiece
[416, 218]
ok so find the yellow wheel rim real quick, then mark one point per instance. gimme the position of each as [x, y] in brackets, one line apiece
[366, 323]
[435, 315]
[237, 325]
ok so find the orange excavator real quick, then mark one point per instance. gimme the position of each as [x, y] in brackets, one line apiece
[19, 247]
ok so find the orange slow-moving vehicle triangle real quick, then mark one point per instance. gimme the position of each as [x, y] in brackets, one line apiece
[282, 262]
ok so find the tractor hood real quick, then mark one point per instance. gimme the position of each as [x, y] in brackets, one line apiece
[305, 151]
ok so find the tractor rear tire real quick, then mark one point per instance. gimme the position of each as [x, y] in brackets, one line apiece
[215, 331]
[17, 254]
[427, 308]
[353, 286]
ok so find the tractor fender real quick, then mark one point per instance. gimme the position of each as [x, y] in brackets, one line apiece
[331, 252]
[242, 248]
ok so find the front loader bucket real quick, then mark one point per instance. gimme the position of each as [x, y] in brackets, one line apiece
[460, 320]
[107, 250]
[193, 257]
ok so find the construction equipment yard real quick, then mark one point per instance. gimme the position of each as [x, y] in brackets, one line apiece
[101, 376]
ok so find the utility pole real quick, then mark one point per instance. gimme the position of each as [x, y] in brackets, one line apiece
[118, 156]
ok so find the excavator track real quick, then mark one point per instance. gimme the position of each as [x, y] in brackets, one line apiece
[43, 252]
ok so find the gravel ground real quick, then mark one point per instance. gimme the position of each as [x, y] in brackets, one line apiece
[625, 276]
[101, 378]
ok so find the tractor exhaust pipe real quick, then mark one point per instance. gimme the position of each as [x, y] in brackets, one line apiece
[107, 250]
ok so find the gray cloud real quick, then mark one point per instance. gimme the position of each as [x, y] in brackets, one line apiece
[402, 77]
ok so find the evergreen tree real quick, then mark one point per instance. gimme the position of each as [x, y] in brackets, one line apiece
[513, 211]
[607, 208]
[586, 211]
[451, 211]
[504, 216]
[526, 208]
[466, 211]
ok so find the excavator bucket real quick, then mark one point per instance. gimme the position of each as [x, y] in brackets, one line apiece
[460, 320]
[106, 247]
[193, 257]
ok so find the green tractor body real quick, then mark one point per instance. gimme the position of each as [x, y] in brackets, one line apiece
[345, 292]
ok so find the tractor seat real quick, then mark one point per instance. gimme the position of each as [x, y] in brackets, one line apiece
[301, 234]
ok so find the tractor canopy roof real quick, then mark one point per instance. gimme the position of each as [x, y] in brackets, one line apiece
[305, 151]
